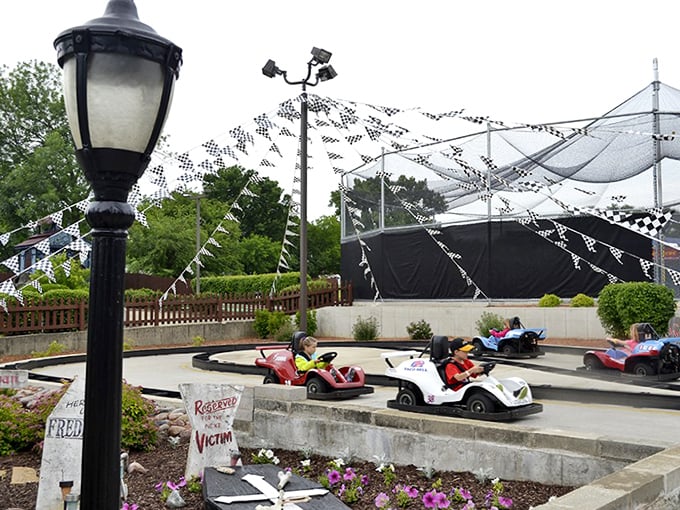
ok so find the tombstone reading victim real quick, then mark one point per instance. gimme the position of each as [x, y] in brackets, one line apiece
[211, 409]
[62, 448]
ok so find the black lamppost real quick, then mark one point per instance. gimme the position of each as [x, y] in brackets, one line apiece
[324, 73]
[118, 81]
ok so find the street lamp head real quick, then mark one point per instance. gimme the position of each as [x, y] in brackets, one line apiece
[119, 76]
[270, 70]
[326, 73]
[320, 56]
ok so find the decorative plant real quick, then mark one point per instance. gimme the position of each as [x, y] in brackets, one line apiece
[549, 300]
[581, 300]
[311, 321]
[419, 330]
[487, 321]
[264, 457]
[365, 329]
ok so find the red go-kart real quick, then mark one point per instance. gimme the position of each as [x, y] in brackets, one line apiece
[652, 356]
[329, 383]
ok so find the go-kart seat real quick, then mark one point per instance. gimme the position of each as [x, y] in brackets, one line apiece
[440, 348]
[646, 332]
[298, 337]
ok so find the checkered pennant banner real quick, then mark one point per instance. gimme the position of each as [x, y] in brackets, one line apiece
[617, 254]
[12, 264]
[4, 239]
[576, 260]
[589, 242]
[675, 276]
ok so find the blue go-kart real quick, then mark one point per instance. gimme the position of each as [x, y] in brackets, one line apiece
[519, 342]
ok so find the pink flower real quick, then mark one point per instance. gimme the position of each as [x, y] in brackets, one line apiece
[364, 480]
[333, 477]
[349, 474]
[411, 491]
[505, 502]
[430, 499]
[381, 500]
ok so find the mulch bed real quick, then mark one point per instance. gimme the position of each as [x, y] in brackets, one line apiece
[167, 463]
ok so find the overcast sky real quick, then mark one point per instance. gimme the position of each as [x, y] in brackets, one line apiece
[516, 61]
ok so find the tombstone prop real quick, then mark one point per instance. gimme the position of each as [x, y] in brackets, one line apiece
[13, 379]
[211, 409]
[62, 449]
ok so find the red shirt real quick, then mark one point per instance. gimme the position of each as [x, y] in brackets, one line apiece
[452, 368]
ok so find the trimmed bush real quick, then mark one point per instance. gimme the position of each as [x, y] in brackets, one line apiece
[248, 284]
[365, 329]
[311, 321]
[549, 300]
[419, 330]
[581, 300]
[261, 323]
[487, 321]
[623, 304]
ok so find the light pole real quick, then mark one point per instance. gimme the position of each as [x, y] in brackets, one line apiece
[324, 73]
[119, 76]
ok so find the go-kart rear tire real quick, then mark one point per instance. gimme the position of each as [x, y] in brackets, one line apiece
[270, 379]
[670, 359]
[592, 363]
[316, 385]
[481, 403]
[643, 369]
[409, 397]
[508, 349]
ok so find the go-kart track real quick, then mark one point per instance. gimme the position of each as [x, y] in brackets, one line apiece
[573, 399]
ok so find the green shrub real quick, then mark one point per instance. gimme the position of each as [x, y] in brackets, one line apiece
[419, 330]
[138, 431]
[142, 294]
[487, 321]
[623, 304]
[276, 321]
[261, 323]
[19, 427]
[197, 341]
[581, 300]
[549, 300]
[313, 285]
[284, 333]
[128, 344]
[54, 349]
[248, 284]
[311, 322]
[365, 329]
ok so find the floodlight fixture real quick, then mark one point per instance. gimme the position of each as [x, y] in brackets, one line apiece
[320, 56]
[270, 70]
[326, 73]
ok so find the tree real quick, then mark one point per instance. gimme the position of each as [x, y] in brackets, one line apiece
[38, 170]
[412, 199]
[323, 246]
[259, 254]
[264, 214]
[168, 246]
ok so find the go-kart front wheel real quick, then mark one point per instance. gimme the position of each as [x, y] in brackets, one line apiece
[409, 397]
[481, 403]
[478, 347]
[316, 385]
[270, 379]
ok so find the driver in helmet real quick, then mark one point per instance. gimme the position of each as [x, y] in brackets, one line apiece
[306, 359]
[459, 369]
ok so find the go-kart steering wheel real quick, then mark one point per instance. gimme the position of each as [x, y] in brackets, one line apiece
[488, 367]
[327, 357]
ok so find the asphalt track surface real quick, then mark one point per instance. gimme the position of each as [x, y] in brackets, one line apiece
[585, 414]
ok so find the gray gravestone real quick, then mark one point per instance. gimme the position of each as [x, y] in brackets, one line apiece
[63, 447]
[211, 409]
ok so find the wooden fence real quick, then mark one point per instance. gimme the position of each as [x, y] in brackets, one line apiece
[71, 314]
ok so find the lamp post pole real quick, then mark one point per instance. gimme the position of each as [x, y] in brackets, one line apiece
[325, 73]
[118, 81]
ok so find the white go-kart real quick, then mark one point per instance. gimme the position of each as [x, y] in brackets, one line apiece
[422, 387]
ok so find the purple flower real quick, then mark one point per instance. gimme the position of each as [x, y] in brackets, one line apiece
[333, 477]
[465, 494]
[430, 499]
[349, 474]
[159, 486]
[342, 490]
[364, 480]
[411, 491]
[127, 506]
[442, 502]
[381, 500]
[171, 485]
[505, 502]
